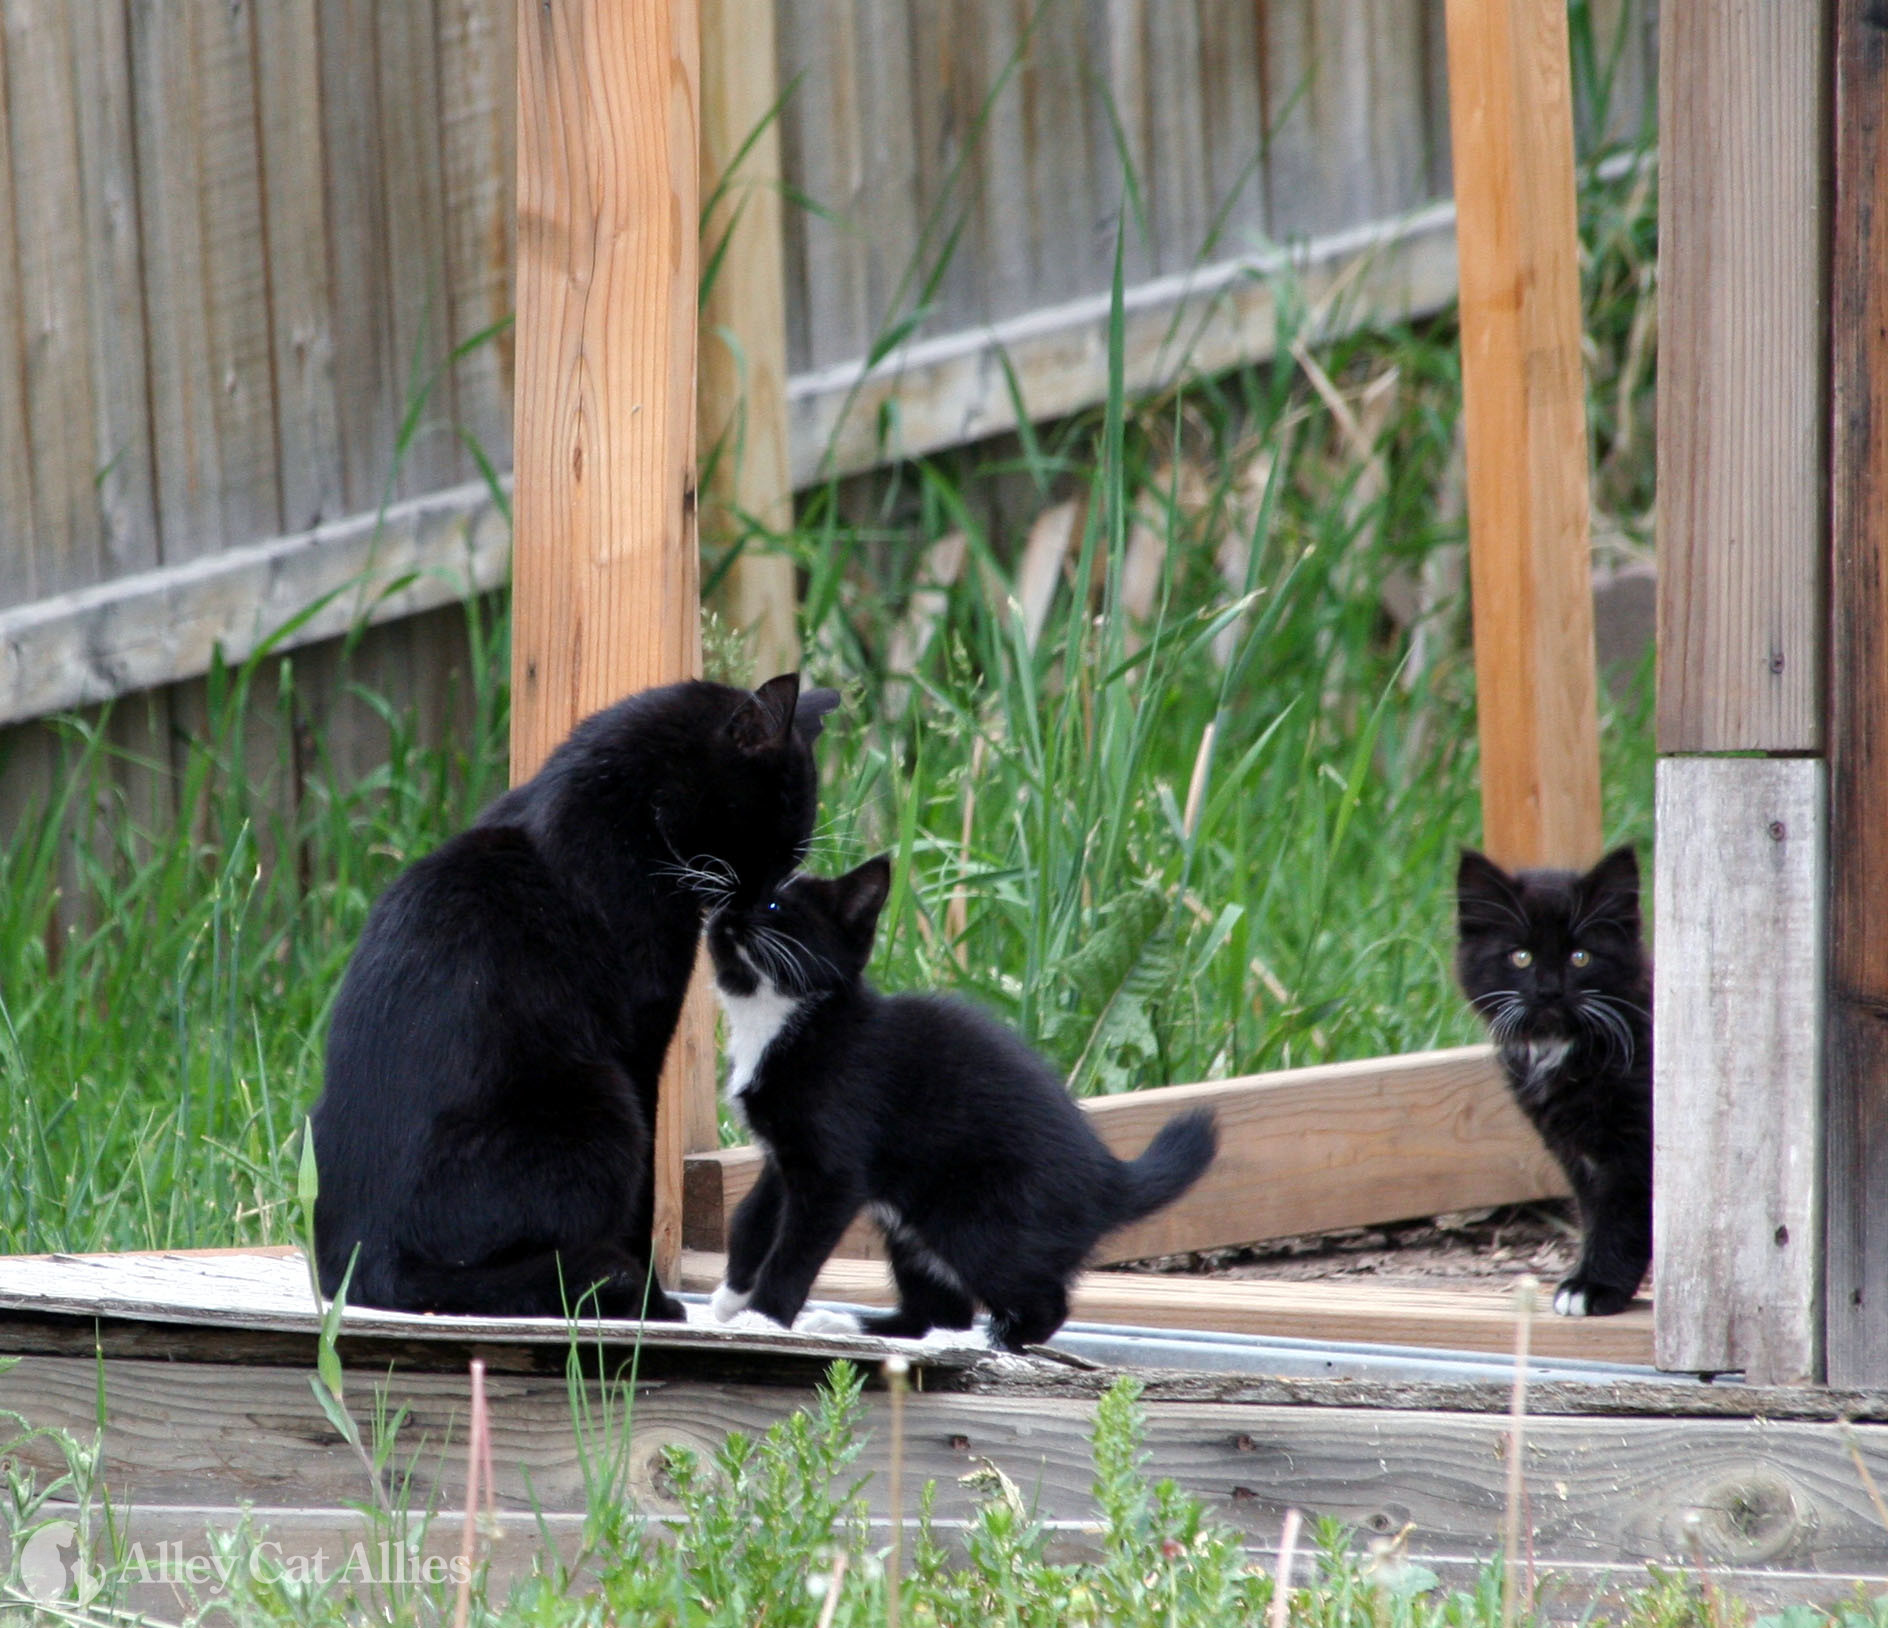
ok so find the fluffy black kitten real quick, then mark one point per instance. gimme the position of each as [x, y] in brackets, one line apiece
[484, 1134]
[990, 1183]
[1555, 964]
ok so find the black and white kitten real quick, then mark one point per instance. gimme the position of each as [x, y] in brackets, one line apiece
[990, 1183]
[1555, 964]
[484, 1133]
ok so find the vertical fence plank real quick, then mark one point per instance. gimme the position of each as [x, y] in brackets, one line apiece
[1524, 399]
[121, 446]
[1858, 709]
[606, 589]
[743, 365]
[41, 106]
[235, 291]
[477, 63]
[1742, 358]
[417, 279]
[301, 302]
[17, 539]
[1737, 1231]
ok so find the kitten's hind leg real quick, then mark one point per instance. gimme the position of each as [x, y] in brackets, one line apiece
[1030, 1317]
[929, 1295]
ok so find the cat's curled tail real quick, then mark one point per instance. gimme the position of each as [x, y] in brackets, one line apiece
[1175, 1159]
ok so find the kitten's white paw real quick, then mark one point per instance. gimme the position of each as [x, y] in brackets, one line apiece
[1570, 1302]
[727, 1304]
[826, 1322]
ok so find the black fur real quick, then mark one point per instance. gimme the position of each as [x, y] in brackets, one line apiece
[1594, 1108]
[991, 1184]
[483, 1136]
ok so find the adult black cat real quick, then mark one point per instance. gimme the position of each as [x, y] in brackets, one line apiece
[1555, 964]
[962, 1143]
[484, 1133]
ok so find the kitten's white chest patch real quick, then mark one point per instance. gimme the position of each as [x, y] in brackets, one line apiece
[755, 1022]
[1544, 1058]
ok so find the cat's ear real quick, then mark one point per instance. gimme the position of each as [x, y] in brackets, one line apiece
[765, 718]
[1479, 885]
[809, 713]
[1611, 889]
[861, 893]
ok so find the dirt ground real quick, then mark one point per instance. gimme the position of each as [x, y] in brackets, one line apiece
[1470, 1246]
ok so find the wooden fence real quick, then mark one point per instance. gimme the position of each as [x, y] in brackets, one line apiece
[255, 261]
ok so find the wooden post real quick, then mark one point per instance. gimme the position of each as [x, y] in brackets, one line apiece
[606, 577]
[1741, 863]
[1858, 708]
[1524, 398]
[744, 326]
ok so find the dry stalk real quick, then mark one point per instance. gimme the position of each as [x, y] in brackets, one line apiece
[478, 1462]
[896, 1368]
[1525, 1293]
[1196, 785]
[829, 1607]
[1281, 1590]
[1868, 1481]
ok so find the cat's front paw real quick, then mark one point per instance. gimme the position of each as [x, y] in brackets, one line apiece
[826, 1322]
[728, 1303]
[1583, 1297]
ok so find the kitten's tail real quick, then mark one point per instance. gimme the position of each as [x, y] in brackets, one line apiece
[1174, 1161]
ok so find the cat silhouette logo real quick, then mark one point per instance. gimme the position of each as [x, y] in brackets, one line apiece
[46, 1575]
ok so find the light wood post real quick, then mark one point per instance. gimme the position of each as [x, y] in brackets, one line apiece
[606, 576]
[1523, 389]
[744, 326]
[1742, 874]
[1857, 1102]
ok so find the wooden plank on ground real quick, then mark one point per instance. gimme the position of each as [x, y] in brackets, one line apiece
[606, 591]
[1524, 401]
[1445, 1319]
[1857, 1103]
[1755, 1501]
[742, 395]
[1738, 1013]
[1743, 177]
[1304, 1150]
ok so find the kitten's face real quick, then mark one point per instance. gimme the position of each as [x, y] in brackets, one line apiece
[1550, 955]
[804, 936]
[756, 791]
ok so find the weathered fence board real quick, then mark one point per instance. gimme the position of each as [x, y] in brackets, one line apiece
[1740, 911]
[1742, 358]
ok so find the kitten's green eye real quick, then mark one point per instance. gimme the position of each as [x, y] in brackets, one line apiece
[1580, 958]
[1521, 958]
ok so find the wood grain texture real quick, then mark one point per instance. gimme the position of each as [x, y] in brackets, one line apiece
[1740, 891]
[742, 413]
[1304, 1150]
[606, 589]
[1857, 1104]
[1742, 358]
[1524, 401]
[16, 465]
[1747, 1498]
